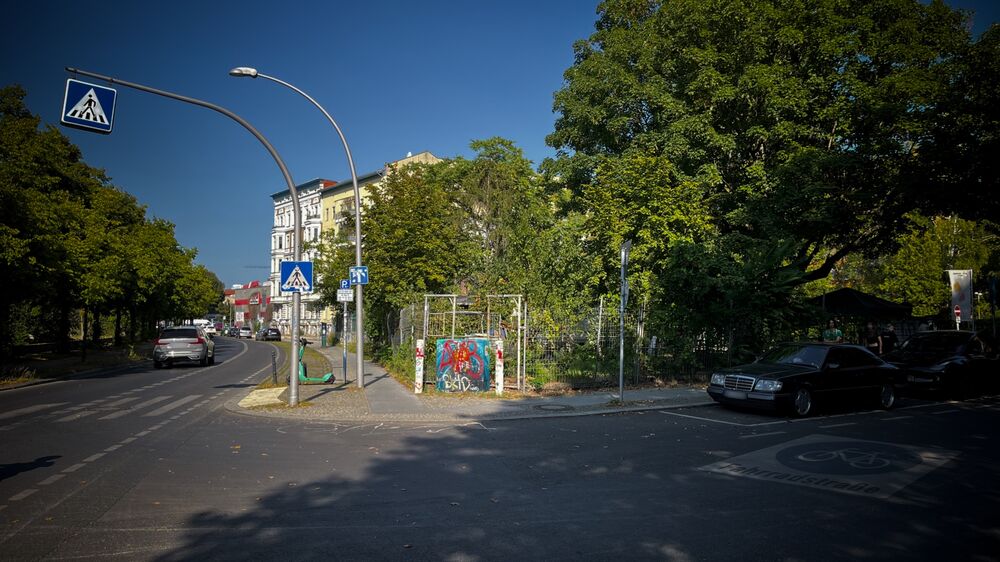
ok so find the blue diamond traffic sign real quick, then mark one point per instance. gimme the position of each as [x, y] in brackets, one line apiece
[296, 276]
[359, 275]
[88, 106]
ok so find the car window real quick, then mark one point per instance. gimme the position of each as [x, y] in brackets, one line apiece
[175, 333]
[796, 355]
[935, 342]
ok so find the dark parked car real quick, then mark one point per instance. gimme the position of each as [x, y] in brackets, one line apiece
[273, 334]
[796, 376]
[260, 335]
[183, 343]
[957, 362]
[233, 332]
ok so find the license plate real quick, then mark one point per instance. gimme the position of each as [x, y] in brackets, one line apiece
[735, 394]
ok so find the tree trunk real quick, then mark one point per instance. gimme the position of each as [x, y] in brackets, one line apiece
[83, 340]
[118, 327]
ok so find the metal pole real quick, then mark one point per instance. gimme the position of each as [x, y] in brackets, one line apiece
[344, 341]
[293, 391]
[359, 308]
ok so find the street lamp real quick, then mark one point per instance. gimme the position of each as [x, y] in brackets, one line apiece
[247, 72]
[293, 395]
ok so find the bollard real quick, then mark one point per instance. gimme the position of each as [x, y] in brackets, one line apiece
[274, 367]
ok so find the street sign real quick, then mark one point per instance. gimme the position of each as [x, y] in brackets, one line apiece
[296, 276]
[345, 284]
[88, 106]
[359, 275]
[345, 295]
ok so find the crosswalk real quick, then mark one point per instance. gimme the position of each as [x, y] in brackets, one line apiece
[106, 409]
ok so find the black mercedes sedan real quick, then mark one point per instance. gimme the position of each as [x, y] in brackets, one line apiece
[956, 362]
[796, 376]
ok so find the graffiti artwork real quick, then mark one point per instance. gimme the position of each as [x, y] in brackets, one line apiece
[463, 365]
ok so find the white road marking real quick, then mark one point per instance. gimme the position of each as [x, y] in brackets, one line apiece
[30, 410]
[22, 495]
[76, 416]
[837, 425]
[93, 458]
[121, 413]
[897, 418]
[51, 479]
[762, 434]
[74, 468]
[142, 434]
[944, 412]
[122, 401]
[128, 440]
[172, 405]
[112, 448]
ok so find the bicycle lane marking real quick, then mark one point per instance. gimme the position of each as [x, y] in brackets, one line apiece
[851, 466]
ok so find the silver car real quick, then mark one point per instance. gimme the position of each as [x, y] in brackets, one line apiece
[183, 343]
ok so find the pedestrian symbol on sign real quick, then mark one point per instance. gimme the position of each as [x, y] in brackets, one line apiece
[296, 282]
[89, 109]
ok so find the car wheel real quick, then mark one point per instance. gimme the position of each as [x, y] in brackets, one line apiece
[802, 405]
[204, 360]
[211, 360]
[157, 364]
[887, 396]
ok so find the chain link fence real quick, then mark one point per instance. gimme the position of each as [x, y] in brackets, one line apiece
[584, 352]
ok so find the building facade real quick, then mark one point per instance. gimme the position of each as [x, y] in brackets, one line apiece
[326, 207]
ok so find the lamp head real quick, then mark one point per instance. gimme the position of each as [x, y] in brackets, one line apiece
[243, 71]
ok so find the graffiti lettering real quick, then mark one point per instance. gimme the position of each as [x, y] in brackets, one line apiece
[462, 365]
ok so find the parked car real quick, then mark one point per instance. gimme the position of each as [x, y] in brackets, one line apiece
[797, 376]
[183, 343]
[233, 332]
[246, 332]
[260, 335]
[956, 362]
[272, 334]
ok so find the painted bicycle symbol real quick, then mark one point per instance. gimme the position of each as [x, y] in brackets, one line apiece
[855, 458]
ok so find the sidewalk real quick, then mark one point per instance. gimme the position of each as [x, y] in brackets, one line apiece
[383, 399]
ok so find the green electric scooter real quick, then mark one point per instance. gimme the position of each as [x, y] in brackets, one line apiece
[303, 376]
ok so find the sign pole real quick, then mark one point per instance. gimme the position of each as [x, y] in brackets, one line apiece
[293, 391]
[621, 321]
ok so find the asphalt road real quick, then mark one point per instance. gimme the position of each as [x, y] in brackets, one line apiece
[83, 480]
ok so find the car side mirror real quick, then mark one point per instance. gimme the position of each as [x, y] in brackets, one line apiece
[832, 366]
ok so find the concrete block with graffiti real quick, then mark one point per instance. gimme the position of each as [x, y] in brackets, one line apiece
[463, 365]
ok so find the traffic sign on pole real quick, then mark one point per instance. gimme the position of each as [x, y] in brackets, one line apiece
[88, 106]
[296, 276]
[359, 275]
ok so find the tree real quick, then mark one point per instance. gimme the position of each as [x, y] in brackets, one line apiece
[802, 125]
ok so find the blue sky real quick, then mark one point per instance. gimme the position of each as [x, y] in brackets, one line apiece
[398, 76]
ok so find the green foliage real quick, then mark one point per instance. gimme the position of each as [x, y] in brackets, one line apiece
[69, 240]
[748, 147]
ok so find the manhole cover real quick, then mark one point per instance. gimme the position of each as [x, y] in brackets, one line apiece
[554, 408]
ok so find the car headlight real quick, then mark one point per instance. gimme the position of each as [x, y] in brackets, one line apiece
[718, 379]
[767, 385]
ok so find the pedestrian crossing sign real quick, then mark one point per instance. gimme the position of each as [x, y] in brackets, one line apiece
[296, 276]
[88, 106]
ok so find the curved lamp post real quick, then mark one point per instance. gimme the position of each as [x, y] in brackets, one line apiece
[247, 72]
[293, 393]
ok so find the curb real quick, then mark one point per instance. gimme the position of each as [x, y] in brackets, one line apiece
[234, 407]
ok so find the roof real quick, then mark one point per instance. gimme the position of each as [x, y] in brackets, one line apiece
[851, 302]
[318, 182]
